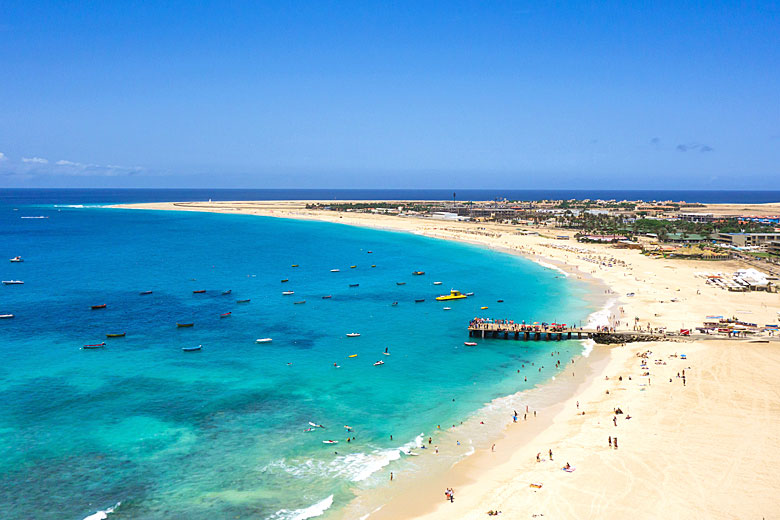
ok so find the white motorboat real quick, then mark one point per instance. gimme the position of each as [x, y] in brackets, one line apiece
[13, 282]
[353, 335]
[264, 340]
[17, 259]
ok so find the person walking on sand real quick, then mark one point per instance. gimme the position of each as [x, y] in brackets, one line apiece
[538, 457]
[391, 476]
[615, 443]
[610, 441]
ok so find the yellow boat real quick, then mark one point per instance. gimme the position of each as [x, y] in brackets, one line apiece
[352, 355]
[483, 308]
[454, 295]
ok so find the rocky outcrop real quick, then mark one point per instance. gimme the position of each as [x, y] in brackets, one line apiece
[612, 338]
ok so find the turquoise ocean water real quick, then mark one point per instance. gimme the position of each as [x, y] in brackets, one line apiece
[220, 433]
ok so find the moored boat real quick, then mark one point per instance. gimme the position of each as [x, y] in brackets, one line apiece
[352, 266]
[483, 308]
[285, 280]
[101, 306]
[225, 314]
[17, 259]
[300, 302]
[200, 291]
[353, 334]
[419, 300]
[327, 296]
[263, 340]
[379, 363]
[287, 293]
[145, 292]
[96, 345]
[192, 349]
[183, 325]
[447, 308]
[454, 295]
[469, 294]
[295, 265]
[436, 283]
[13, 282]
[335, 270]
[6, 316]
[354, 284]
[243, 301]
[228, 291]
[470, 343]
[117, 335]
[418, 273]
[400, 283]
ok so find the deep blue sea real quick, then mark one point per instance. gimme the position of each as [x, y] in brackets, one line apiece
[220, 433]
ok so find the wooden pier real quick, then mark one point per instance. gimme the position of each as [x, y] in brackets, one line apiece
[519, 332]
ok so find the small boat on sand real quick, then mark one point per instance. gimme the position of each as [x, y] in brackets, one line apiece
[192, 349]
[96, 345]
[6, 316]
[228, 291]
[470, 343]
[117, 335]
[184, 325]
[353, 335]
[264, 340]
[17, 259]
[287, 293]
[225, 314]
[201, 291]
[13, 282]
[379, 363]
[101, 306]
[142, 293]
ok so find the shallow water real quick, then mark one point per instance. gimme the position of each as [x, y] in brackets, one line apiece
[220, 433]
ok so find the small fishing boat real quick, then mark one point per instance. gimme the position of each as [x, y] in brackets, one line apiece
[287, 293]
[192, 349]
[96, 345]
[419, 300]
[373, 265]
[117, 335]
[13, 282]
[330, 442]
[263, 340]
[243, 301]
[183, 325]
[400, 283]
[335, 270]
[379, 363]
[201, 291]
[354, 284]
[352, 266]
[285, 280]
[394, 304]
[483, 308]
[454, 295]
[228, 291]
[469, 294]
[17, 259]
[369, 252]
[470, 343]
[353, 334]
[101, 306]
[142, 293]
[295, 265]
[499, 301]
[6, 316]
[300, 302]
[327, 296]
[352, 355]
[436, 283]
[447, 308]
[418, 273]
[225, 314]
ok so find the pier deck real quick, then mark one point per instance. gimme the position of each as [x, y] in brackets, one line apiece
[518, 332]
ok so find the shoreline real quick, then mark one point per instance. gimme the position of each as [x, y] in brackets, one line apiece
[482, 483]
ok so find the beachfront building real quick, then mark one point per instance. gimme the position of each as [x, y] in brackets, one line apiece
[701, 218]
[773, 248]
[685, 238]
[746, 239]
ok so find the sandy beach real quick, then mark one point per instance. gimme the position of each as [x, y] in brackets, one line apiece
[700, 446]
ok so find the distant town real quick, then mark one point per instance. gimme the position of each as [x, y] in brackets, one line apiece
[664, 228]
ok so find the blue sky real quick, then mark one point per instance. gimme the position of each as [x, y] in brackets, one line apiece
[396, 94]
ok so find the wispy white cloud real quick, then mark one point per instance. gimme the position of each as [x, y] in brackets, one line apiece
[3, 157]
[63, 162]
[35, 160]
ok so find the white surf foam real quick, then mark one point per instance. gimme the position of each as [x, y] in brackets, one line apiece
[307, 512]
[553, 267]
[102, 515]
